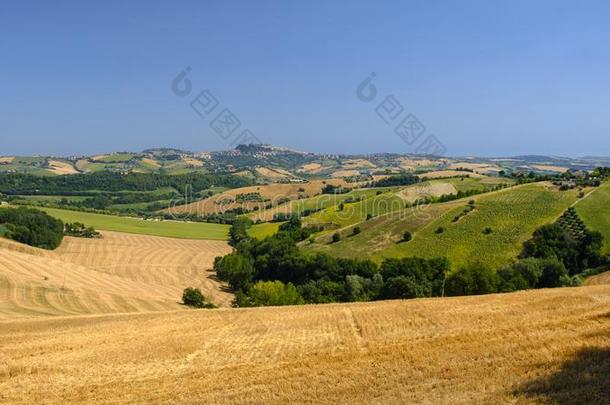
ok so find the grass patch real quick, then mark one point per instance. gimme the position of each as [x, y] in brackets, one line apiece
[172, 229]
[261, 231]
[512, 214]
[595, 213]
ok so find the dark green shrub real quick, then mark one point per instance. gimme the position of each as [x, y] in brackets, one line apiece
[194, 298]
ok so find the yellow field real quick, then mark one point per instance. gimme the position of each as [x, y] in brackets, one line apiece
[59, 167]
[448, 173]
[119, 273]
[352, 164]
[602, 278]
[422, 190]
[550, 168]
[535, 346]
[275, 173]
[310, 168]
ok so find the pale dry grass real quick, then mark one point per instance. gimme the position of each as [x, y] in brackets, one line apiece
[273, 173]
[119, 273]
[423, 190]
[100, 157]
[535, 346]
[344, 173]
[61, 168]
[482, 168]
[154, 163]
[599, 279]
[351, 164]
[412, 164]
[170, 262]
[192, 162]
[448, 173]
[550, 168]
[310, 168]
[82, 164]
[7, 159]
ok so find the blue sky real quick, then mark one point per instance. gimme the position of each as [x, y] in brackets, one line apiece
[486, 78]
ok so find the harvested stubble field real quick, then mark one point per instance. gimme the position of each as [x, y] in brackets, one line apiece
[534, 346]
[119, 273]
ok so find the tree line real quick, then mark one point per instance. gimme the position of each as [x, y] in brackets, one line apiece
[19, 183]
[32, 227]
[274, 271]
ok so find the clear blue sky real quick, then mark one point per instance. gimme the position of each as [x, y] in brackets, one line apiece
[485, 77]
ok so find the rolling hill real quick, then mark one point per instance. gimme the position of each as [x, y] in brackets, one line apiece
[594, 211]
[119, 273]
[512, 214]
[539, 346]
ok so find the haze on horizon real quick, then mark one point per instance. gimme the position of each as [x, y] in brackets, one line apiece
[486, 78]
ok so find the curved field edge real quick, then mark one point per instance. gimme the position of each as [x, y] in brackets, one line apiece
[118, 273]
[534, 346]
[171, 229]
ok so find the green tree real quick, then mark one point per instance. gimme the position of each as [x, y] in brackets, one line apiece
[236, 269]
[194, 298]
[272, 293]
[554, 274]
[472, 279]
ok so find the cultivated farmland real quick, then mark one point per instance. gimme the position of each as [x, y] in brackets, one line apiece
[549, 346]
[119, 273]
[272, 194]
[173, 229]
[512, 215]
[595, 212]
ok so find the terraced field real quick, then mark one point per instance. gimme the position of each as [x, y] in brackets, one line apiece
[173, 229]
[119, 273]
[512, 215]
[543, 346]
[595, 212]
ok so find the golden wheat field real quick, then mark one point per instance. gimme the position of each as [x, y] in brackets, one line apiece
[119, 273]
[534, 346]
[602, 278]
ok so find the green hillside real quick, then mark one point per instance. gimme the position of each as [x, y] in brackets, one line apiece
[595, 212]
[511, 215]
